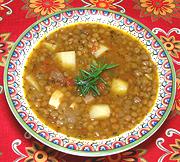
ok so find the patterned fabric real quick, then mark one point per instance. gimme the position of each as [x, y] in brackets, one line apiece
[5, 46]
[39, 8]
[161, 16]
[5, 9]
[158, 9]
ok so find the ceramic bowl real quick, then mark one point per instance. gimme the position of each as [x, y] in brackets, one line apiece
[16, 98]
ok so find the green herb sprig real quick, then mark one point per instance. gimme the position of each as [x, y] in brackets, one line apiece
[88, 79]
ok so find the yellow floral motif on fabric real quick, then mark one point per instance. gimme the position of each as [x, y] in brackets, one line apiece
[158, 7]
[40, 153]
[172, 45]
[176, 149]
[1, 8]
[5, 46]
[102, 3]
[46, 7]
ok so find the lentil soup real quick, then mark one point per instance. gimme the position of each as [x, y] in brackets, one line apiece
[90, 81]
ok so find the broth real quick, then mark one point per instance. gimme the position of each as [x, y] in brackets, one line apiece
[127, 95]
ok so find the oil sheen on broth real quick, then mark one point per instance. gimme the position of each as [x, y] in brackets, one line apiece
[107, 108]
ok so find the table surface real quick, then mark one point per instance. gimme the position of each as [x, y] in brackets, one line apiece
[161, 16]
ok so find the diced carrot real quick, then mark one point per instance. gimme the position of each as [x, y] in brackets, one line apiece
[101, 87]
[46, 62]
[69, 81]
[105, 76]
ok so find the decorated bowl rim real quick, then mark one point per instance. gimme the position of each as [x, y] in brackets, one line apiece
[79, 152]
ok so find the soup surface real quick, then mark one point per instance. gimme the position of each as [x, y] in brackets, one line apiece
[90, 81]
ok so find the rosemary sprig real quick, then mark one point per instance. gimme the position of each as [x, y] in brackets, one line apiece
[88, 80]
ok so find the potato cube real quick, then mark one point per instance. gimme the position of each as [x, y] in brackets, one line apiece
[49, 46]
[56, 99]
[66, 59]
[100, 51]
[119, 87]
[100, 111]
[30, 78]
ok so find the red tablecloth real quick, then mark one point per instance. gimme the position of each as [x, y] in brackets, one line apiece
[161, 16]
